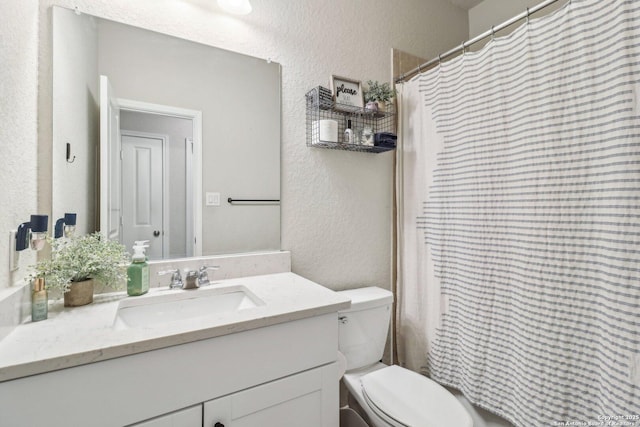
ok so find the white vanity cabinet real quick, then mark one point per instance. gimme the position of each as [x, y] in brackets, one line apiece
[301, 399]
[282, 374]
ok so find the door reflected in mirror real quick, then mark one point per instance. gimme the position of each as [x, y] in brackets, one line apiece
[184, 120]
[157, 158]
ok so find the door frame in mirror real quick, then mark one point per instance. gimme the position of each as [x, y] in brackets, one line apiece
[194, 206]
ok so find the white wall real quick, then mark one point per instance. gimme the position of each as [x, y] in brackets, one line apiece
[18, 125]
[336, 206]
[494, 12]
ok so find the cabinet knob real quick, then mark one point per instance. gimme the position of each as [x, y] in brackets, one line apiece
[218, 425]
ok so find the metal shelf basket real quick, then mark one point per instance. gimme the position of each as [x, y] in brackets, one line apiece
[319, 107]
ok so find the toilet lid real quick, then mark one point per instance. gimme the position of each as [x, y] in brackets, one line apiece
[406, 398]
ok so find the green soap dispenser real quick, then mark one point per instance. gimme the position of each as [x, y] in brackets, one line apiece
[138, 271]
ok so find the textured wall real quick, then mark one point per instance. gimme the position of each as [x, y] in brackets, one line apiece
[495, 12]
[336, 206]
[18, 125]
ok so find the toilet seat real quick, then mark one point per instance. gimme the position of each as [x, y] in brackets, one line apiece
[380, 413]
[404, 398]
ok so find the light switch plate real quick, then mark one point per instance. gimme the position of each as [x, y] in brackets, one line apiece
[212, 199]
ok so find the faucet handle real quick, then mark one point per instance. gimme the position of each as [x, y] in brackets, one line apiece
[203, 277]
[176, 277]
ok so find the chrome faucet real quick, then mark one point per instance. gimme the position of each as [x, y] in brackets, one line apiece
[176, 278]
[203, 277]
[191, 279]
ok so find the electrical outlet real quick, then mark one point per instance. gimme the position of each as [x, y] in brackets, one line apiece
[212, 199]
[13, 254]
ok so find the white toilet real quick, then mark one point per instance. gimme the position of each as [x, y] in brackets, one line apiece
[390, 395]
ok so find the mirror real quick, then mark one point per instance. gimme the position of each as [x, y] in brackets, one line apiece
[188, 127]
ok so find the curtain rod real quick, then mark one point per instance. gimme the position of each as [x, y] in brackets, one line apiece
[465, 45]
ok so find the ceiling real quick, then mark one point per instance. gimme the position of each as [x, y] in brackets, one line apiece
[465, 4]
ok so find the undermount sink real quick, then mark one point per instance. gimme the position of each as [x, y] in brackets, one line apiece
[183, 305]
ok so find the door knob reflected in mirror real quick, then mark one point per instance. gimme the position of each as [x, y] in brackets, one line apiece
[156, 233]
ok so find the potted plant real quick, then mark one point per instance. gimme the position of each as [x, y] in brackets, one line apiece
[77, 262]
[378, 94]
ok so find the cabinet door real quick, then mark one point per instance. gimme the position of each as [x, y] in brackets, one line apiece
[188, 417]
[307, 399]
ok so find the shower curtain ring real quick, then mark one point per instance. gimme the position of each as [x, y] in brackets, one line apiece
[464, 48]
[439, 59]
[493, 33]
[528, 14]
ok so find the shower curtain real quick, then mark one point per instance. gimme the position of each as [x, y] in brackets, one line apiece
[519, 259]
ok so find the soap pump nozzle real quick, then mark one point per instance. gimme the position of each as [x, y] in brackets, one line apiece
[138, 251]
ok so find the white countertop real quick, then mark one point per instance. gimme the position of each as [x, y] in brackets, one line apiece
[80, 335]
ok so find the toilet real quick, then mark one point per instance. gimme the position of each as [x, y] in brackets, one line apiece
[390, 395]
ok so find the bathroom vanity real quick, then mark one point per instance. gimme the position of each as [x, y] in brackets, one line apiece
[271, 364]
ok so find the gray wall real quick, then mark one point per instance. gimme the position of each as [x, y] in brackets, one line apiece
[240, 104]
[75, 120]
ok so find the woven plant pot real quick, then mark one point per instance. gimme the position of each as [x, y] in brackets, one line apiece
[80, 293]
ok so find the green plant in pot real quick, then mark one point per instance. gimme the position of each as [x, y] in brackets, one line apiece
[378, 93]
[77, 262]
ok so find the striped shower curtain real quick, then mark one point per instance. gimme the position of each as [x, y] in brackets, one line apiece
[520, 220]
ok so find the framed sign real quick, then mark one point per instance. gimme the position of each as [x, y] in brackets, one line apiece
[347, 92]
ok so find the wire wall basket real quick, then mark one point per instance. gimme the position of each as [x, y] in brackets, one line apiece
[327, 122]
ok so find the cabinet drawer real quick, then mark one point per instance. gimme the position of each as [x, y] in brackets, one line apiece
[298, 400]
[276, 392]
[189, 417]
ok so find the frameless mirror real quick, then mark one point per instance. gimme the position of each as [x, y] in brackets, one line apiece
[153, 135]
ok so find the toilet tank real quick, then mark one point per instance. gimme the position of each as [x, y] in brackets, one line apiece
[363, 328]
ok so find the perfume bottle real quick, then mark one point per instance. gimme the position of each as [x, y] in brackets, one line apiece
[39, 301]
[348, 133]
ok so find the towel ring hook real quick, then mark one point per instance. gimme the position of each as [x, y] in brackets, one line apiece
[69, 159]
